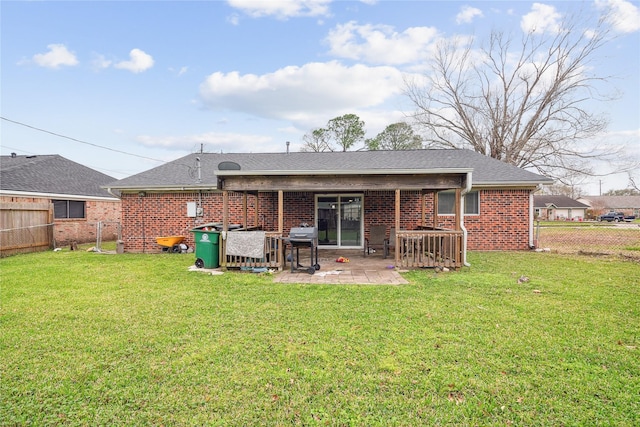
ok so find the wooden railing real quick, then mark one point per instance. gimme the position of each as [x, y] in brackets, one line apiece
[413, 249]
[437, 248]
[273, 254]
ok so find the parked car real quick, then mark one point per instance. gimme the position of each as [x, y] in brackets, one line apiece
[616, 217]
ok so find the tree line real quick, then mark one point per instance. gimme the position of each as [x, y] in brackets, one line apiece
[345, 132]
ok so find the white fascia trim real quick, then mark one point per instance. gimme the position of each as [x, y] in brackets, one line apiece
[513, 185]
[345, 172]
[165, 188]
[57, 196]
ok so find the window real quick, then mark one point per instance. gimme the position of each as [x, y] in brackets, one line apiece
[446, 203]
[64, 209]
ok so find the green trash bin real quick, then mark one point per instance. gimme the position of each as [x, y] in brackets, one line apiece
[207, 247]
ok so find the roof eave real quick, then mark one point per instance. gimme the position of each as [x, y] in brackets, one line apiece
[510, 184]
[345, 172]
[160, 188]
[56, 195]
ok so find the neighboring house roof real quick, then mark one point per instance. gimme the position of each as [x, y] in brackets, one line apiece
[184, 172]
[560, 202]
[51, 175]
[612, 202]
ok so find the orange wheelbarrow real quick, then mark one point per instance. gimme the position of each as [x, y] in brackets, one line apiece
[171, 243]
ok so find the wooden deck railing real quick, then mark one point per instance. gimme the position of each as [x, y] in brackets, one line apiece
[413, 249]
[273, 254]
[433, 248]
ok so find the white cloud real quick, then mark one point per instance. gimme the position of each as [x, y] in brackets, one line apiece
[99, 62]
[467, 13]
[380, 44]
[180, 71]
[233, 19]
[57, 56]
[213, 141]
[282, 9]
[622, 15]
[139, 61]
[299, 94]
[541, 18]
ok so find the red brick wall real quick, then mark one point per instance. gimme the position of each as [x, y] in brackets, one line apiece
[81, 230]
[144, 218]
[503, 223]
[380, 209]
[84, 230]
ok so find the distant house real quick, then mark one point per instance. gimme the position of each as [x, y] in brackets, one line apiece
[435, 201]
[554, 208]
[52, 191]
[629, 205]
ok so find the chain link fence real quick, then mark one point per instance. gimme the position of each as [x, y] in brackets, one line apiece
[590, 238]
[107, 231]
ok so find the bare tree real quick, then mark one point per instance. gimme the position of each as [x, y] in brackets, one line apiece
[318, 140]
[573, 191]
[523, 103]
[623, 192]
[634, 184]
[346, 130]
[397, 136]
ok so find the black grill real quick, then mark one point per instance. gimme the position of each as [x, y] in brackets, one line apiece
[303, 234]
[304, 237]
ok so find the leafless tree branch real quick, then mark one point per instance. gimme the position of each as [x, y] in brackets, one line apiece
[524, 102]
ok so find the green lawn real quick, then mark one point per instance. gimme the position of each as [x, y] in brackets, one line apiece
[94, 339]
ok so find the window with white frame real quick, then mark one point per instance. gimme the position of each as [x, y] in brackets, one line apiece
[447, 202]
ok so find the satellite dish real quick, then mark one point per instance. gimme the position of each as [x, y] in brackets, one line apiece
[228, 166]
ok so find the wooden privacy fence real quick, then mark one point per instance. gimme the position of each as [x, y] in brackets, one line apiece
[25, 227]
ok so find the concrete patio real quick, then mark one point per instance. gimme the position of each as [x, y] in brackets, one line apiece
[370, 270]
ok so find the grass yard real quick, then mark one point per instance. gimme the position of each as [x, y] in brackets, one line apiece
[94, 339]
[592, 238]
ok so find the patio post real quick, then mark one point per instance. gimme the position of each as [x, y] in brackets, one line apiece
[458, 205]
[280, 212]
[245, 212]
[423, 198]
[257, 210]
[435, 210]
[225, 228]
[397, 225]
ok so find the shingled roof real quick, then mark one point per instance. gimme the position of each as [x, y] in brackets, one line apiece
[183, 172]
[557, 201]
[51, 174]
[612, 202]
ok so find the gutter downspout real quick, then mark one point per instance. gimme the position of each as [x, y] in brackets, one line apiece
[531, 229]
[461, 213]
[111, 192]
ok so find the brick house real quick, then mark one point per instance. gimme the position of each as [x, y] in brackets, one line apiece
[563, 208]
[459, 197]
[598, 205]
[70, 191]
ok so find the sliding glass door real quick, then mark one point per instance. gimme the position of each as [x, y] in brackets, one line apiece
[339, 220]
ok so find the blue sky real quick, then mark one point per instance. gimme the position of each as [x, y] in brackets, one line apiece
[156, 79]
